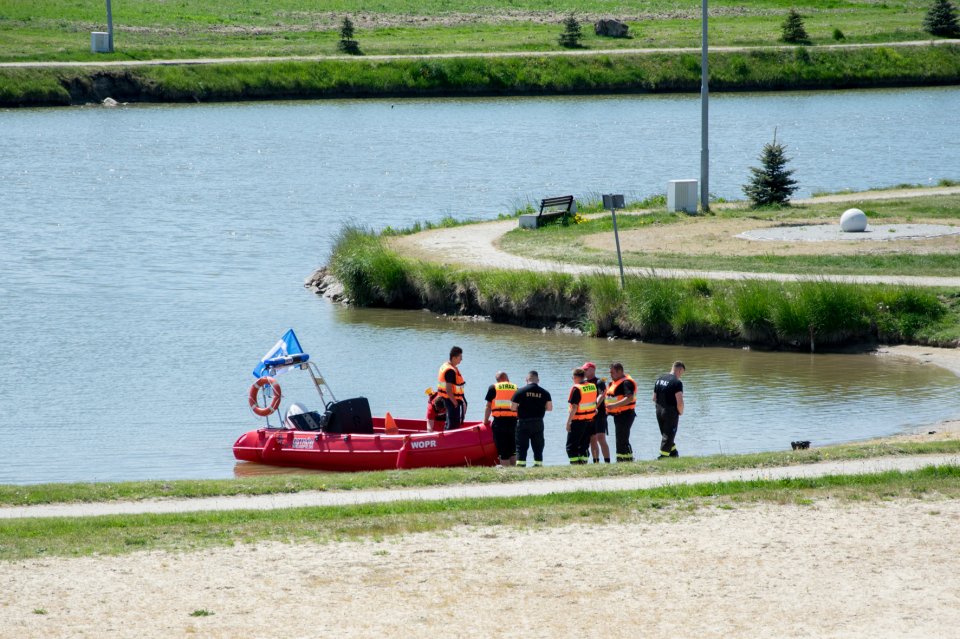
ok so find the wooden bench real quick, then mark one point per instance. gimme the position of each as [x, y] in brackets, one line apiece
[551, 208]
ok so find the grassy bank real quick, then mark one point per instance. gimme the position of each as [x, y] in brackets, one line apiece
[803, 315]
[59, 29]
[422, 477]
[32, 538]
[800, 68]
[569, 242]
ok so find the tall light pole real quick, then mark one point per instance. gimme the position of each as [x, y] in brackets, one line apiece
[110, 28]
[704, 116]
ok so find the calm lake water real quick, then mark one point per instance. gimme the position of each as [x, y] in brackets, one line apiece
[150, 255]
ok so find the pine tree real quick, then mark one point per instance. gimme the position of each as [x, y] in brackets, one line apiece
[572, 34]
[771, 184]
[793, 29]
[941, 20]
[347, 44]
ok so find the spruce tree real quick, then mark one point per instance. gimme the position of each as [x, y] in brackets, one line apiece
[793, 29]
[572, 34]
[347, 44]
[941, 20]
[771, 184]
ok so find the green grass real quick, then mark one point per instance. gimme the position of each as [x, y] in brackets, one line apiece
[566, 243]
[59, 29]
[116, 535]
[661, 72]
[799, 315]
[11, 495]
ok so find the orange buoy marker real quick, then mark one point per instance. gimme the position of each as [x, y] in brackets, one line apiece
[389, 425]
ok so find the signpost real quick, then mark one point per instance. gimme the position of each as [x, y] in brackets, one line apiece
[704, 116]
[109, 28]
[614, 202]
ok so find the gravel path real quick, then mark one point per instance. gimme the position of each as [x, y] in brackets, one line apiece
[475, 245]
[349, 498]
[484, 54]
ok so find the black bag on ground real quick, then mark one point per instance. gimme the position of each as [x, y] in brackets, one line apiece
[348, 416]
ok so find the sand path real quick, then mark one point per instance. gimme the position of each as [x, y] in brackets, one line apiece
[832, 569]
[475, 245]
[478, 54]
[347, 498]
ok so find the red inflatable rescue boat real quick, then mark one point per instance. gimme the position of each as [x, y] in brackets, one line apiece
[345, 437]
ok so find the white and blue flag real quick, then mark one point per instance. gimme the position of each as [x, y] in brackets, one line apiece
[288, 345]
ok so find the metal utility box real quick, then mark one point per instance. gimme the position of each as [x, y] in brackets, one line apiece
[682, 196]
[99, 42]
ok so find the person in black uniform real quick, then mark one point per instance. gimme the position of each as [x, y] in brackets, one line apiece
[598, 439]
[531, 403]
[668, 396]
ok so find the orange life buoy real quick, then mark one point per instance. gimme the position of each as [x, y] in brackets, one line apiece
[264, 411]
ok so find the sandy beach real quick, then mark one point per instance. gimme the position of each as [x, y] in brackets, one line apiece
[832, 569]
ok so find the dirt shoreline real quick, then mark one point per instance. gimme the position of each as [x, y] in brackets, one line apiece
[831, 569]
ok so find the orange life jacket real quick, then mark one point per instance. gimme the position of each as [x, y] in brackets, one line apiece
[502, 401]
[612, 395]
[587, 408]
[454, 394]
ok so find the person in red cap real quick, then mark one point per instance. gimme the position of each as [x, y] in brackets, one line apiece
[598, 438]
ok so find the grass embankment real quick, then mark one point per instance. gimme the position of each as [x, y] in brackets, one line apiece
[31, 538]
[799, 68]
[145, 29]
[805, 315]
[418, 478]
[568, 241]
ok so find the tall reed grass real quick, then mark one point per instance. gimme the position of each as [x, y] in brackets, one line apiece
[801, 315]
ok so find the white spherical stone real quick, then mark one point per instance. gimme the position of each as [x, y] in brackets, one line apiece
[853, 221]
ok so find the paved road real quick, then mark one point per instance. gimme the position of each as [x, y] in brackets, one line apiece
[475, 245]
[481, 54]
[349, 498]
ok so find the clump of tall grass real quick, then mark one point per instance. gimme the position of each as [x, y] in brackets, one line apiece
[371, 273]
[652, 303]
[605, 303]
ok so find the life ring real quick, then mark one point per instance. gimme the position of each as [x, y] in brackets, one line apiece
[264, 411]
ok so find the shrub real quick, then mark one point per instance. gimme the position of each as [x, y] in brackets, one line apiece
[771, 184]
[941, 20]
[793, 29]
[572, 34]
[347, 44]
[838, 35]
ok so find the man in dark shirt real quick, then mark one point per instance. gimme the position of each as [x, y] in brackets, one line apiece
[668, 396]
[598, 438]
[531, 403]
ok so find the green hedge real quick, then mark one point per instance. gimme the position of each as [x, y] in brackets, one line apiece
[790, 68]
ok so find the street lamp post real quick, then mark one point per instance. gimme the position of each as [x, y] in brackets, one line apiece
[704, 116]
[109, 28]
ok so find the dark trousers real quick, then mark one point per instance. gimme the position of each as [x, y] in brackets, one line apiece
[454, 414]
[530, 433]
[578, 441]
[505, 436]
[669, 420]
[622, 423]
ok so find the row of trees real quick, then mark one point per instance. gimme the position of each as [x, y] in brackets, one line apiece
[940, 20]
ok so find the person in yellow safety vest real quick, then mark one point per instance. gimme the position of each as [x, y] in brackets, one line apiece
[500, 406]
[450, 388]
[598, 440]
[583, 411]
[621, 402]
